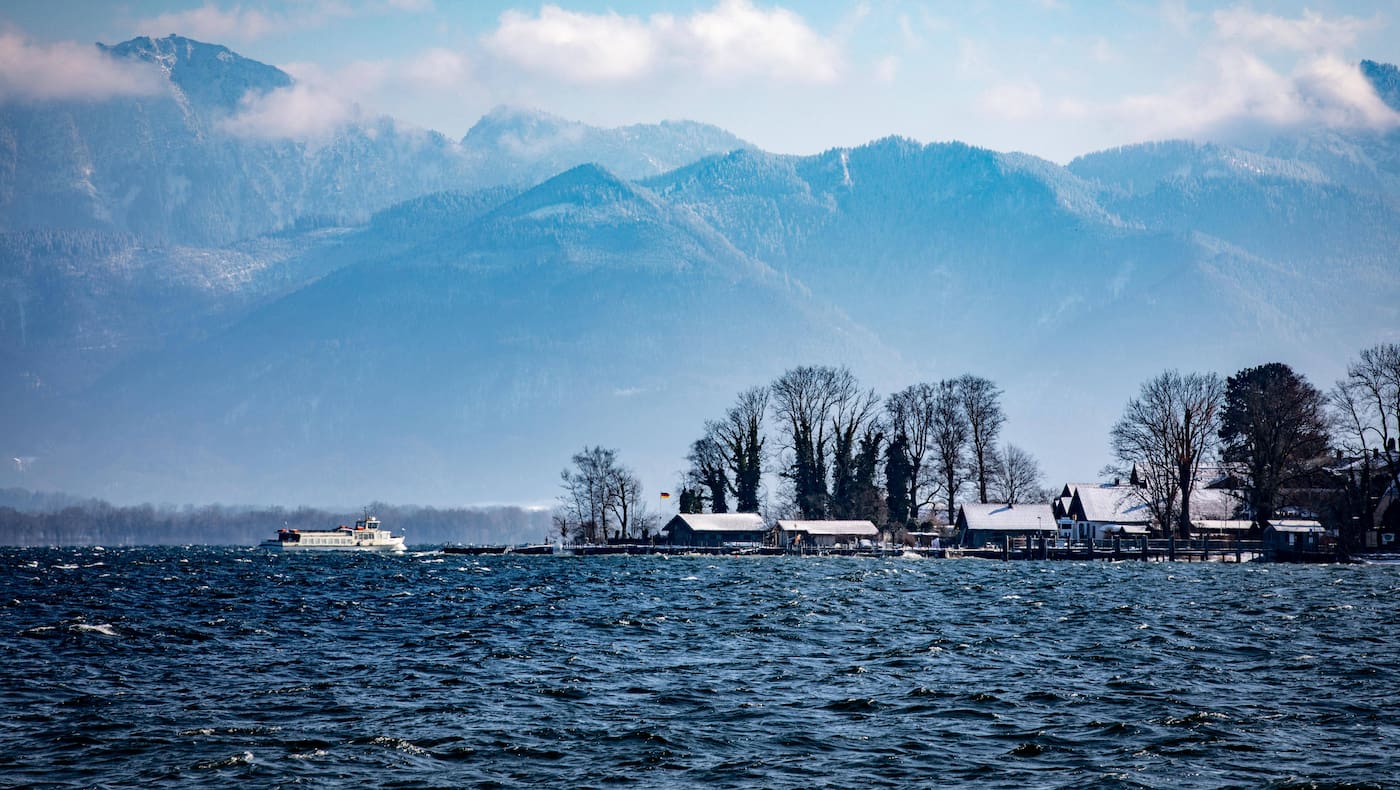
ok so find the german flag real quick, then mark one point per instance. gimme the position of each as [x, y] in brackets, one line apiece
[665, 494]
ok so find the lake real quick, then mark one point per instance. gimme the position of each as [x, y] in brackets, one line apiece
[165, 667]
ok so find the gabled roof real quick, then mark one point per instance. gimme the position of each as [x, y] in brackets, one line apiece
[721, 522]
[999, 516]
[1221, 525]
[1295, 525]
[1110, 504]
[1212, 503]
[830, 527]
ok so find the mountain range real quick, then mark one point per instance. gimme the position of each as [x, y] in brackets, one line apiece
[194, 313]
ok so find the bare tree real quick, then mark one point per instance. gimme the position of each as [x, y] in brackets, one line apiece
[910, 416]
[982, 404]
[950, 433]
[708, 467]
[1015, 475]
[1366, 409]
[740, 435]
[598, 491]
[1168, 430]
[587, 487]
[853, 419]
[625, 502]
[803, 401]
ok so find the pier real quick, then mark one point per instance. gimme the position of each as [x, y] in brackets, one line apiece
[1116, 550]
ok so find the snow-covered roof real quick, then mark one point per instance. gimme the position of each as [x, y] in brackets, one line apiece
[864, 528]
[1212, 503]
[722, 522]
[1295, 525]
[1000, 516]
[1221, 525]
[1112, 504]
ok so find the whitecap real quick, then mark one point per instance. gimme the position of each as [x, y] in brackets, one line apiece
[100, 628]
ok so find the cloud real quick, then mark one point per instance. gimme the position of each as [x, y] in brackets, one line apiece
[734, 39]
[68, 70]
[300, 111]
[1255, 75]
[212, 23]
[319, 101]
[579, 47]
[1243, 94]
[1309, 33]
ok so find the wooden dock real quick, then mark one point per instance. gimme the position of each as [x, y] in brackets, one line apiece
[1118, 550]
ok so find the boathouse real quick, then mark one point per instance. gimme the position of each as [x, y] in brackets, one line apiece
[713, 530]
[986, 524]
[825, 534]
[1294, 540]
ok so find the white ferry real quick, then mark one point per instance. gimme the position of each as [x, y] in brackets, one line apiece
[366, 535]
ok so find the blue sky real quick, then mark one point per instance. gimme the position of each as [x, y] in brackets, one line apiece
[1055, 78]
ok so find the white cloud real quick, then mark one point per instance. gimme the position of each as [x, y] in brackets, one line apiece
[578, 47]
[738, 39]
[212, 23]
[321, 101]
[1256, 75]
[1243, 93]
[1308, 33]
[439, 68]
[735, 39]
[219, 24]
[68, 70]
[300, 111]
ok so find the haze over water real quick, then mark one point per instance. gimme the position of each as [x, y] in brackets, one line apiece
[231, 667]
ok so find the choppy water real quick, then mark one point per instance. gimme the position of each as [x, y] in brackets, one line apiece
[230, 667]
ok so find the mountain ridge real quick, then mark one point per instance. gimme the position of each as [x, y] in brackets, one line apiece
[468, 323]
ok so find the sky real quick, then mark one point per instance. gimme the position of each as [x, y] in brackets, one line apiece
[1054, 78]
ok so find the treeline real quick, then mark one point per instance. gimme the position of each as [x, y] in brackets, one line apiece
[841, 451]
[815, 444]
[100, 523]
[1278, 443]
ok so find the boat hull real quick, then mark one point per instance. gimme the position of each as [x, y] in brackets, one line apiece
[274, 545]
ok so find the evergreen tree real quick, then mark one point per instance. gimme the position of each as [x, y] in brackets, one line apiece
[897, 474]
[1273, 424]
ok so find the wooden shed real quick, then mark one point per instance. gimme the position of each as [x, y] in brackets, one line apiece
[983, 524]
[825, 534]
[713, 530]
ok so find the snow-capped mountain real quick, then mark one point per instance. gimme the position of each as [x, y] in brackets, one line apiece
[180, 167]
[194, 316]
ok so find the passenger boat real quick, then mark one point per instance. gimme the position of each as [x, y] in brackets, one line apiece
[366, 535]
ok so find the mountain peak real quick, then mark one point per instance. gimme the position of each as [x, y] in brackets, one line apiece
[518, 123]
[210, 75]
